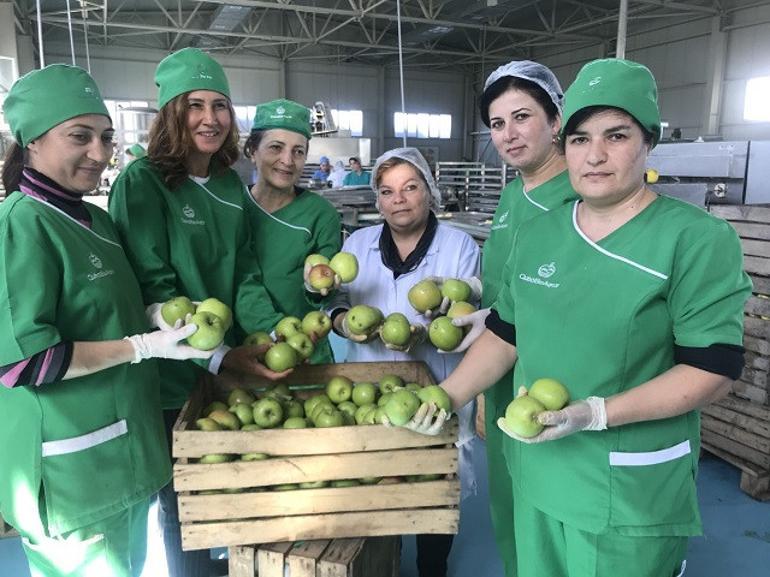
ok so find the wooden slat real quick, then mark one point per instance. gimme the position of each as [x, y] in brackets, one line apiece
[741, 212]
[715, 439]
[756, 327]
[755, 377]
[302, 560]
[750, 392]
[239, 474]
[729, 457]
[270, 558]
[757, 265]
[316, 501]
[398, 522]
[736, 433]
[380, 557]
[760, 284]
[338, 557]
[744, 407]
[311, 441]
[758, 306]
[751, 424]
[242, 562]
[755, 361]
[756, 247]
[756, 345]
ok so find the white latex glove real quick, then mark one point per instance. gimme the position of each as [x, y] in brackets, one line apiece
[166, 345]
[471, 281]
[345, 330]
[587, 415]
[423, 421]
[477, 323]
[441, 310]
[156, 319]
[418, 336]
[322, 292]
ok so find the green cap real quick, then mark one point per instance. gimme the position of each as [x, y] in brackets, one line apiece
[622, 84]
[137, 150]
[285, 114]
[44, 98]
[187, 70]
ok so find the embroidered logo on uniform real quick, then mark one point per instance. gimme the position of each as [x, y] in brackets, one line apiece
[95, 260]
[546, 270]
[595, 81]
[280, 110]
[188, 211]
[189, 214]
[501, 221]
[203, 74]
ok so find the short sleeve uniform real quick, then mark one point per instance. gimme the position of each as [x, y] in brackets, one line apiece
[354, 179]
[604, 317]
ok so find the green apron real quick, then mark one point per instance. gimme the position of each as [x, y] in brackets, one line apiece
[282, 239]
[192, 241]
[515, 207]
[76, 451]
[603, 318]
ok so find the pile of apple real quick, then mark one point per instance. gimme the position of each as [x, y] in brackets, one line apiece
[212, 317]
[544, 395]
[426, 295]
[322, 271]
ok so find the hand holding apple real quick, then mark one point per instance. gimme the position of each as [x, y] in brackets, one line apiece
[245, 360]
[360, 324]
[415, 335]
[459, 289]
[473, 325]
[345, 266]
[429, 420]
[316, 325]
[320, 278]
[426, 298]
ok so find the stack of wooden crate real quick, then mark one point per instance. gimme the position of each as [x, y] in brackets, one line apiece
[737, 428]
[358, 557]
[229, 504]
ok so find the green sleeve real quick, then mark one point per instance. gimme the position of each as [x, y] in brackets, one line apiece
[27, 317]
[708, 287]
[139, 213]
[328, 242]
[504, 305]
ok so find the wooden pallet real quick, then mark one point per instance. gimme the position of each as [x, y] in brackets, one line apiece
[356, 557]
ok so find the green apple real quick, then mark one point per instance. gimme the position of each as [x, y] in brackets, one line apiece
[243, 412]
[444, 335]
[551, 393]
[380, 416]
[348, 407]
[240, 396]
[316, 324]
[384, 399]
[455, 290]
[362, 411]
[364, 394]
[210, 333]
[345, 265]
[281, 357]
[396, 330]
[314, 484]
[285, 487]
[414, 387]
[217, 307]
[251, 427]
[206, 424]
[363, 319]
[321, 277]
[521, 416]
[215, 406]
[258, 338]
[280, 391]
[369, 417]
[401, 407]
[313, 401]
[293, 408]
[389, 383]
[288, 326]
[295, 423]
[225, 419]
[459, 309]
[268, 413]
[215, 459]
[425, 295]
[301, 343]
[369, 480]
[177, 309]
[328, 417]
[254, 456]
[436, 395]
[345, 483]
[339, 389]
[321, 407]
[314, 259]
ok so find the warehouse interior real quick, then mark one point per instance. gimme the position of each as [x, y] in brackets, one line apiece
[385, 73]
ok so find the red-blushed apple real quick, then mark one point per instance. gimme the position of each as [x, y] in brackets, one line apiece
[436, 395]
[218, 308]
[345, 264]
[521, 416]
[176, 309]
[424, 296]
[225, 419]
[321, 277]
[364, 394]
[316, 324]
[401, 407]
[287, 326]
[389, 383]
[280, 357]
[301, 343]
[210, 333]
[455, 290]
[444, 335]
[551, 393]
[314, 259]
[268, 413]
[339, 389]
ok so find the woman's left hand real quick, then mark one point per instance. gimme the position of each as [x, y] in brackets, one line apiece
[587, 415]
[418, 333]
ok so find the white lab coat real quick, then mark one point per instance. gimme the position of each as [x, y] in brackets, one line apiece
[452, 253]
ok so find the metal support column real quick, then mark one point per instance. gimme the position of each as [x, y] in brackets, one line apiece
[620, 45]
[717, 56]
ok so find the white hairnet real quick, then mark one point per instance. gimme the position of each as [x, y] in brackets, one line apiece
[534, 72]
[416, 159]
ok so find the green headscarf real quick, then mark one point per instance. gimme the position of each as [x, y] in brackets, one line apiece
[622, 84]
[285, 114]
[187, 70]
[44, 98]
[137, 150]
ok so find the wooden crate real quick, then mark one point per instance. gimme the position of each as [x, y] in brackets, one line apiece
[737, 428]
[6, 530]
[258, 515]
[356, 557]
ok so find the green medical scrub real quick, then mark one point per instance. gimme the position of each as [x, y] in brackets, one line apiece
[515, 207]
[283, 239]
[604, 317]
[354, 179]
[192, 241]
[80, 451]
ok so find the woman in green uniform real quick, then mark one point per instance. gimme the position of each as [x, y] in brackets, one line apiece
[635, 302]
[180, 214]
[288, 222]
[80, 423]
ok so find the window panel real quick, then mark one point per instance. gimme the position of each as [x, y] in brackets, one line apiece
[422, 125]
[756, 105]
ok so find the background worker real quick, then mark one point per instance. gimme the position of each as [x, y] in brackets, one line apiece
[180, 213]
[409, 246]
[288, 223]
[640, 300]
[135, 151]
[323, 171]
[337, 175]
[80, 423]
[357, 175]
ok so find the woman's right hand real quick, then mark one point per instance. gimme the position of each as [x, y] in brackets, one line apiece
[476, 322]
[245, 360]
[167, 345]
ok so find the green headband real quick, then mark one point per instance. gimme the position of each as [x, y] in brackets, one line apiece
[621, 84]
[285, 114]
[187, 70]
[45, 98]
